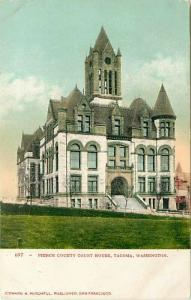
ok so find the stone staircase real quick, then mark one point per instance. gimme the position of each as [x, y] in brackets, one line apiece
[128, 204]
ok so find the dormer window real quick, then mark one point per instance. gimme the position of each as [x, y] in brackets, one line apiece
[117, 127]
[80, 123]
[83, 123]
[87, 124]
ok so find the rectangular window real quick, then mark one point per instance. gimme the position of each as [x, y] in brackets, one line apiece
[122, 151]
[141, 182]
[141, 163]
[92, 184]
[165, 184]
[111, 151]
[111, 164]
[79, 203]
[75, 159]
[75, 183]
[32, 190]
[165, 129]
[122, 164]
[43, 187]
[87, 124]
[51, 185]
[150, 202]
[99, 73]
[151, 184]
[162, 129]
[151, 163]
[32, 172]
[154, 205]
[80, 123]
[167, 133]
[57, 187]
[92, 160]
[117, 128]
[95, 203]
[145, 128]
[90, 203]
[164, 163]
[165, 203]
[73, 203]
[56, 157]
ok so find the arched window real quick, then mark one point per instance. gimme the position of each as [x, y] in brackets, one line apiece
[115, 82]
[151, 160]
[110, 82]
[141, 159]
[75, 159]
[105, 82]
[56, 154]
[165, 160]
[92, 157]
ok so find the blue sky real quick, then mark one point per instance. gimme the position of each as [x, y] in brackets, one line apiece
[43, 46]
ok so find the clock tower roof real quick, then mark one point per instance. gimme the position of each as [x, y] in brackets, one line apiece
[102, 41]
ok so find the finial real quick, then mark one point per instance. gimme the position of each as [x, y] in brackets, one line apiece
[118, 52]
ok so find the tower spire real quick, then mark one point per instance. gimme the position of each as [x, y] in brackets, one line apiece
[163, 106]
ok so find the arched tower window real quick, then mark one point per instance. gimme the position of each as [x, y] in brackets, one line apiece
[92, 157]
[165, 160]
[105, 82]
[110, 82]
[115, 82]
[151, 160]
[75, 157]
[141, 159]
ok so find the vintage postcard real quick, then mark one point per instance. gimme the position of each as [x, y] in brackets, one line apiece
[94, 127]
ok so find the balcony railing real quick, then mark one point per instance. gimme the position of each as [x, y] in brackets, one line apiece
[118, 168]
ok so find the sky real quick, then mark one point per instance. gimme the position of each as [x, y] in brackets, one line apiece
[43, 44]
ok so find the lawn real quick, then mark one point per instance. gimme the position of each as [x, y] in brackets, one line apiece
[95, 232]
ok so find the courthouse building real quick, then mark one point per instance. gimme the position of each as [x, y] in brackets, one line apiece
[96, 152]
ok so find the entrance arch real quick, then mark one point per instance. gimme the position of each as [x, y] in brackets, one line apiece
[119, 186]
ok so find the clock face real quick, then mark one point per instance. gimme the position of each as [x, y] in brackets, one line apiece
[108, 60]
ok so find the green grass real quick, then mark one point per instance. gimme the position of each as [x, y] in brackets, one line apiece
[95, 232]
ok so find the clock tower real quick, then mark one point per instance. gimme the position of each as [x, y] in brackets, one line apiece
[103, 70]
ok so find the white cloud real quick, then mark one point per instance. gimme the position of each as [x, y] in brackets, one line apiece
[16, 93]
[145, 80]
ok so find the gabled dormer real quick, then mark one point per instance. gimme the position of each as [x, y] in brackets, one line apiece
[83, 116]
[117, 121]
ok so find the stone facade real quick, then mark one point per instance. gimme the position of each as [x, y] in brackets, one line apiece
[97, 153]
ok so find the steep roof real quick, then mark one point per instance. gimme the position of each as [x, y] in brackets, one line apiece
[178, 168]
[26, 140]
[139, 108]
[162, 106]
[103, 115]
[74, 98]
[101, 41]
